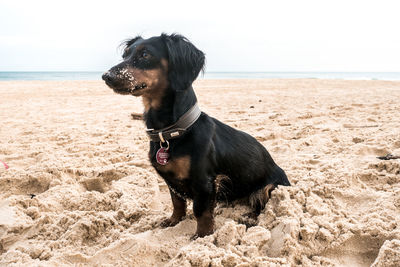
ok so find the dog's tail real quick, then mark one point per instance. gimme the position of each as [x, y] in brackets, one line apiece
[259, 198]
[280, 177]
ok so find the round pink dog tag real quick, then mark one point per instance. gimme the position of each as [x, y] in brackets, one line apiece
[162, 156]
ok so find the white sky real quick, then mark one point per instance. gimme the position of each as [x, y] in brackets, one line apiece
[280, 35]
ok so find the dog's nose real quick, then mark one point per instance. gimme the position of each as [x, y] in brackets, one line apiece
[106, 76]
[110, 78]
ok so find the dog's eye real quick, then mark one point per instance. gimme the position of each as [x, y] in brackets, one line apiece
[145, 55]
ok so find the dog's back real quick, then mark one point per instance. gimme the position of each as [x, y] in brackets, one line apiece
[244, 162]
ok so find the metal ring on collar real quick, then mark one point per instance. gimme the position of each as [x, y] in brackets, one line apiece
[161, 145]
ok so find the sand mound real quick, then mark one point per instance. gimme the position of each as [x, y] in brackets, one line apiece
[80, 191]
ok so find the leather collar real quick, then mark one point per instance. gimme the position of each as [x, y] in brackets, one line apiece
[177, 129]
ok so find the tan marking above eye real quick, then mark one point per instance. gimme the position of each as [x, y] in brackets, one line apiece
[164, 64]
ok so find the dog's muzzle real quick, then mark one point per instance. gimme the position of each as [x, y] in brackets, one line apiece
[109, 78]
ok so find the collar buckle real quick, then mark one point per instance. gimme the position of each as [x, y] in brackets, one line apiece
[177, 129]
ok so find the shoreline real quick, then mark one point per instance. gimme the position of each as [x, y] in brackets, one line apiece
[96, 75]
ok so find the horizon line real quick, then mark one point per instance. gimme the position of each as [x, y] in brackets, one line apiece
[217, 71]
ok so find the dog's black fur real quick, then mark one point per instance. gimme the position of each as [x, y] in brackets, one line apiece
[211, 161]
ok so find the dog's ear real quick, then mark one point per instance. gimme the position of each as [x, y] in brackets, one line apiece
[185, 61]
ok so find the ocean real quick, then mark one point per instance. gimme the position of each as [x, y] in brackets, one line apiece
[96, 75]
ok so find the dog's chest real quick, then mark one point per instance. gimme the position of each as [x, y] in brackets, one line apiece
[177, 168]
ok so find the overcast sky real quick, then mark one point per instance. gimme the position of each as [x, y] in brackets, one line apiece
[78, 35]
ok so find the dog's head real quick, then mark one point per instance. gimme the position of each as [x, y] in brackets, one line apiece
[150, 66]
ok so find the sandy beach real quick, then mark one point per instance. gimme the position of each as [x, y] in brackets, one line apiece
[80, 191]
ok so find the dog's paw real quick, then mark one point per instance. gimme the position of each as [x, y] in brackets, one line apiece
[194, 237]
[202, 233]
[252, 215]
[249, 219]
[169, 222]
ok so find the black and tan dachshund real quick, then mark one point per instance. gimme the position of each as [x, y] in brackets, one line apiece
[199, 157]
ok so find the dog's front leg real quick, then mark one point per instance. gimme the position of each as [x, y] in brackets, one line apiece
[203, 209]
[179, 210]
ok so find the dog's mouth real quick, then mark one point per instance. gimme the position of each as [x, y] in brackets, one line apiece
[139, 87]
[134, 90]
